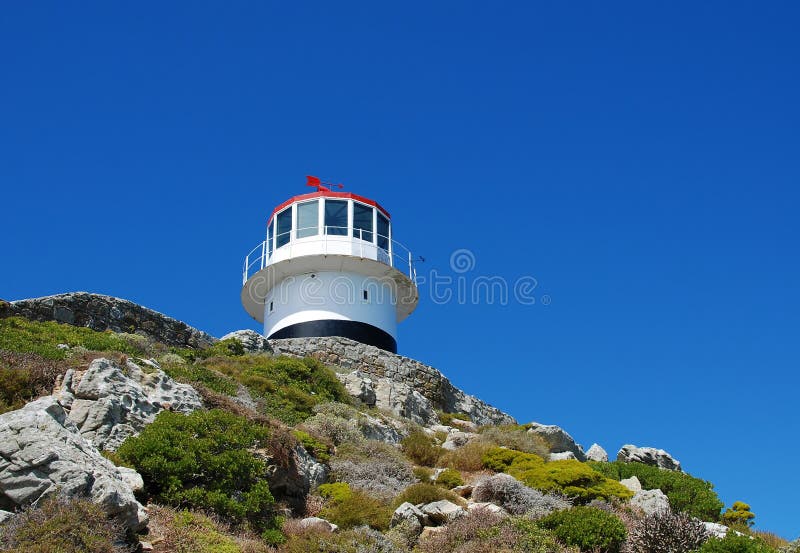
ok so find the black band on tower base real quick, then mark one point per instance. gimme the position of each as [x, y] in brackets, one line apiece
[355, 330]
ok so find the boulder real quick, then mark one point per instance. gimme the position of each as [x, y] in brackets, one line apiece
[292, 483]
[557, 439]
[466, 426]
[716, 530]
[5, 515]
[442, 512]
[374, 428]
[648, 456]
[318, 524]
[632, 484]
[397, 398]
[252, 341]
[456, 440]
[109, 403]
[410, 514]
[132, 478]
[597, 453]
[563, 456]
[42, 453]
[485, 507]
[650, 501]
[463, 491]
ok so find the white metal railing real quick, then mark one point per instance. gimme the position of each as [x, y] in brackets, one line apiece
[394, 254]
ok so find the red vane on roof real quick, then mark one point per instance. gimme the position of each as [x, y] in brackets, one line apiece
[324, 192]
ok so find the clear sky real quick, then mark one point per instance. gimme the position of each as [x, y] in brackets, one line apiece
[638, 159]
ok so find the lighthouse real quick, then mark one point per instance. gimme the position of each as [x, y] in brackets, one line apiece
[330, 266]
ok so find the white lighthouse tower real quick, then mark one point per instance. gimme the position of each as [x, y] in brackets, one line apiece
[329, 267]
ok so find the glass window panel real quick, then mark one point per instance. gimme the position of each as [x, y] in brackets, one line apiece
[284, 229]
[270, 236]
[362, 221]
[336, 217]
[308, 219]
[383, 232]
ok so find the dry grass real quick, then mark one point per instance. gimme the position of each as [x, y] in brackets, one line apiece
[770, 538]
[468, 458]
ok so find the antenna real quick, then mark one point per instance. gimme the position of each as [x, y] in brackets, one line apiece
[315, 182]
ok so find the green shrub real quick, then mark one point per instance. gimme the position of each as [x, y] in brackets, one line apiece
[204, 460]
[198, 374]
[425, 493]
[738, 516]
[356, 508]
[357, 540]
[24, 336]
[588, 528]
[568, 477]
[421, 449]
[686, 493]
[317, 448]
[516, 437]
[62, 526]
[447, 418]
[449, 478]
[423, 474]
[336, 491]
[482, 532]
[735, 543]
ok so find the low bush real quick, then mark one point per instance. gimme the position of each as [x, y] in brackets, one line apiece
[372, 466]
[423, 474]
[191, 532]
[517, 498]
[204, 460]
[349, 508]
[26, 376]
[198, 374]
[588, 528]
[686, 493]
[421, 448]
[449, 478]
[468, 458]
[63, 526]
[335, 491]
[425, 493]
[317, 448]
[480, 532]
[569, 477]
[516, 437]
[735, 543]
[358, 540]
[447, 418]
[666, 532]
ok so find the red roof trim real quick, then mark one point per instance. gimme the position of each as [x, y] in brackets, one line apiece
[328, 194]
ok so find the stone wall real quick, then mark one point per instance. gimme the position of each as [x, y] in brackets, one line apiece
[100, 312]
[379, 363]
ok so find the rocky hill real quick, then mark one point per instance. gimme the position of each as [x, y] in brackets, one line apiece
[122, 429]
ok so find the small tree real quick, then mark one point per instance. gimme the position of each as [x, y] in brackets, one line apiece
[738, 515]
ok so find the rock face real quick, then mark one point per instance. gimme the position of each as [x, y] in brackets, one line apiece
[597, 453]
[442, 512]
[378, 363]
[252, 341]
[410, 514]
[648, 456]
[557, 439]
[42, 453]
[632, 484]
[292, 483]
[396, 397]
[109, 403]
[650, 501]
[318, 524]
[100, 312]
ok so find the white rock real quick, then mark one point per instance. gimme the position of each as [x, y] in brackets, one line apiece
[132, 478]
[597, 453]
[456, 440]
[109, 403]
[557, 439]
[650, 501]
[318, 524]
[563, 456]
[716, 530]
[252, 341]
[396, 397]
[5, 515]
[467, 426]
[42, 453]
[486, 507]
[442, 512]
[410, 513]
[442, 428]
[632, 484]
[649, 456]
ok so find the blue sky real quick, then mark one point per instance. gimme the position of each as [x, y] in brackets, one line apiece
[639, 160]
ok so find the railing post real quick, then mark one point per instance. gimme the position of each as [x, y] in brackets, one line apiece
[263, 253]
[410, 267]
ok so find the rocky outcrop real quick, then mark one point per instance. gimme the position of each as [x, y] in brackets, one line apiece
[648, 456]
[100, 312]
[395, 397]
[597, 453]
[410, 515]
[650, 501]
[442, 511]
[42, 453]
[252, 341]
[109, 403]
[632, 484]
[557, 440]
[378, 363]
